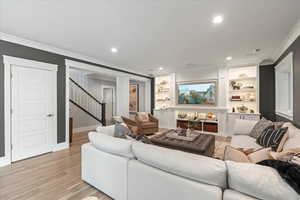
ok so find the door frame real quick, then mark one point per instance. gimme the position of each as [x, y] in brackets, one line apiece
[114, 96]
[98, 69]
[8, 62]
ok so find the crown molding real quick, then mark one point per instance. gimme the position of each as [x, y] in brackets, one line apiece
[243, 62]
[64, 52]
[291, 37]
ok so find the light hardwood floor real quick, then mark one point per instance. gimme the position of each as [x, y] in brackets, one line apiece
[53, 176]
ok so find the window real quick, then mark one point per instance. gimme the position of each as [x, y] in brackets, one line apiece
[284, 87]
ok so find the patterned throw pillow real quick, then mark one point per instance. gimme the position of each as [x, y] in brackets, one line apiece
[271, 137]
[259, 127]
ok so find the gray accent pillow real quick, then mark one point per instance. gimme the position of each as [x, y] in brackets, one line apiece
[259, 127]
[121, 130]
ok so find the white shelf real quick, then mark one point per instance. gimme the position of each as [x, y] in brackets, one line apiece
[242, 101]
[244, 79]
[249, 78]
[243, 90]
[237, 113]
[202, 121]
[199, 108]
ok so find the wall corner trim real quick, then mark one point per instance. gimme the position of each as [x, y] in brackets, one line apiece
[4, 161]
[59, 51]
[61, 146]
[29, 63]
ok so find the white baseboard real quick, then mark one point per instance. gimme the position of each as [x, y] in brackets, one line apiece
[4, 161]
[61, 146]
[86, 128]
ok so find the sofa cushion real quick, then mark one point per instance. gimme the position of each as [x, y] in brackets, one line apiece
[259, 127]
[293, 140]
[198, 168]
[244, 141]
[149, 183]
[258, 181]
[235, 195]
[107, 130]
[243, 127]
[109, 144]
[272, 138]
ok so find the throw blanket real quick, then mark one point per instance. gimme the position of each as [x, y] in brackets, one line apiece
[288, 171]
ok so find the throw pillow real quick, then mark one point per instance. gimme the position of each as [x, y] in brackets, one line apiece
[293, 140]
[236, 155]
[259, 127]
[143, 116]
[282, 142]
[271, 138]
[260, 155]
[239, 155]
[121, 130]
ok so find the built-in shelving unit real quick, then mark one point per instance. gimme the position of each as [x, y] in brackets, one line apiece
[164, 86]
[243, 92]
[243, 100]
[205, 122]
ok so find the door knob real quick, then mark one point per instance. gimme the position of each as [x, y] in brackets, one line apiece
[50, 115]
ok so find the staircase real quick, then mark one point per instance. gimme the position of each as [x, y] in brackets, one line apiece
[87, 102]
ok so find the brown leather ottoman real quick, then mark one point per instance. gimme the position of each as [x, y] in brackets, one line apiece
[204, 144]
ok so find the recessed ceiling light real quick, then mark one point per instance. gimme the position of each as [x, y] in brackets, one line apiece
[229, 58]
[218, 19]
[160, 68]
[114, 50]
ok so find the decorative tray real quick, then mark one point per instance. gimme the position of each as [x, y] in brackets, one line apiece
[191, 137]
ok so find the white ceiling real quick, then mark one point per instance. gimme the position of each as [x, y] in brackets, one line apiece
[175, 34]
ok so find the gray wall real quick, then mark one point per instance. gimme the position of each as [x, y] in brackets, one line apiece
[295, 48]
[267, 91]
[12, 49]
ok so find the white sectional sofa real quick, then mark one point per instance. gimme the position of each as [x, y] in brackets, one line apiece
[241, 136]
[240, 132]
[128, 170]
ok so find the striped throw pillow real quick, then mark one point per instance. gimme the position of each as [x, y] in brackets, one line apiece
[271, 137]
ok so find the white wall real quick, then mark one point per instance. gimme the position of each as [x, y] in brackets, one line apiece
[142, 94]
[93, 86]
[122, 96]
[196, 75]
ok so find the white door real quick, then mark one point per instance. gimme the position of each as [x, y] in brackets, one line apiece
[108, 95]
[33, 103]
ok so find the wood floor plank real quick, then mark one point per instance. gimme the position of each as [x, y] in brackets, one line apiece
[52, 176]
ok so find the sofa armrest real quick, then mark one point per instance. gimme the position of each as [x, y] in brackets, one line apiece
[153, 119]
[128, 121]
[243, 127]
[107, 130]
